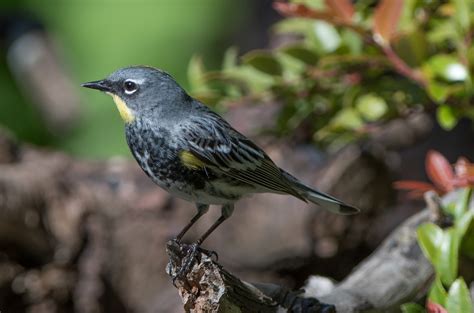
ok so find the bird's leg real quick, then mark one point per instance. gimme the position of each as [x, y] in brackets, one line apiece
[195, 248]
[227, 211]
[201, 210]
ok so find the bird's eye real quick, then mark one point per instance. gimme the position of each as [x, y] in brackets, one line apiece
[129, 87]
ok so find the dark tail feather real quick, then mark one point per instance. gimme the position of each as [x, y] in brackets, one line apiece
[327, 202]
[320, 198]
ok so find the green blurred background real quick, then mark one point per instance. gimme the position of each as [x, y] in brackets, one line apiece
[97, 37]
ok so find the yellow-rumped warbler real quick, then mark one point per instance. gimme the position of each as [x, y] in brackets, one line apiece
[192, 152]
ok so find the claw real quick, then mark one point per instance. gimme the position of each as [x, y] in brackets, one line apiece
[192, 254]
[210, 253]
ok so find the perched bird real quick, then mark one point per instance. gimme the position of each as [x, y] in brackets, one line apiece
[192, 152]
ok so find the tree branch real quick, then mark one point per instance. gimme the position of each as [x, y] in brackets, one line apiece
[208, 287]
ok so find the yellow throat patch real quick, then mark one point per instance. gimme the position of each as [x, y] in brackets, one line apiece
[190, 161]
[125, 112]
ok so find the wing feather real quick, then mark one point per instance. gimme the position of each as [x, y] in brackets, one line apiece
[224, 150]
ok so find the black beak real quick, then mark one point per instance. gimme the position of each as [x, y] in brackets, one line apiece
[101, 85]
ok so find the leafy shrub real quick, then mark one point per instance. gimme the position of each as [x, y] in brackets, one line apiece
[345, 68]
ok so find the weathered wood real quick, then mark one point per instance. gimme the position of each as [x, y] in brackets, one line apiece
[395, 273]
[208, 287]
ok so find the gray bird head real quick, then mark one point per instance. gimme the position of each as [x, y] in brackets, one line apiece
[140, 89]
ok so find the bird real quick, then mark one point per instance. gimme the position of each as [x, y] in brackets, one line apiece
[192, 152]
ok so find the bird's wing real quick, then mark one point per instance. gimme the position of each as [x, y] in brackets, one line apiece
[213, 143]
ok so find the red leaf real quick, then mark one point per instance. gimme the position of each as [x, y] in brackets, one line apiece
[291, 9]
[286, 8]
[413, 185]
[415, 194]
[463, 182]
[300, 10]
[439, 171]
[416, 188]
[432, 307]
[386, 18]
[342, 9]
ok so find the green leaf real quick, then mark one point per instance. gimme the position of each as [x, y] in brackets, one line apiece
[468, 239]
[353, 41]
[293, 69]
[462, 204]
[196, 73]
[459, 299]
[255, 81]
[437, 292]
[441, 32]
[412, 47]
[448, 68]
[230, 58]
[449, 208]
[446, 117]
[437, 91]
[293, 25]
[430, 237]
[407, 20]
[327, 36]
[462, 14]
[263, 61]
[447, 258]
[301, 53]
[412, 308]
[464, 222]
[371, 106]
[347, 118]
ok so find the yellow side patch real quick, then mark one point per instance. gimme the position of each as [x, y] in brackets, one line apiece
[125, 112]
[190, 161]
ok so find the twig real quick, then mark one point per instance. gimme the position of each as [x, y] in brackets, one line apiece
[401, 67]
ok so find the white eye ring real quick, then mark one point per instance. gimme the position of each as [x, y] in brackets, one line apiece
[130, 87]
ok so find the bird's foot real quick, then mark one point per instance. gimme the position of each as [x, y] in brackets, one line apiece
[210, 253]
[186, 248]
[190, 254]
